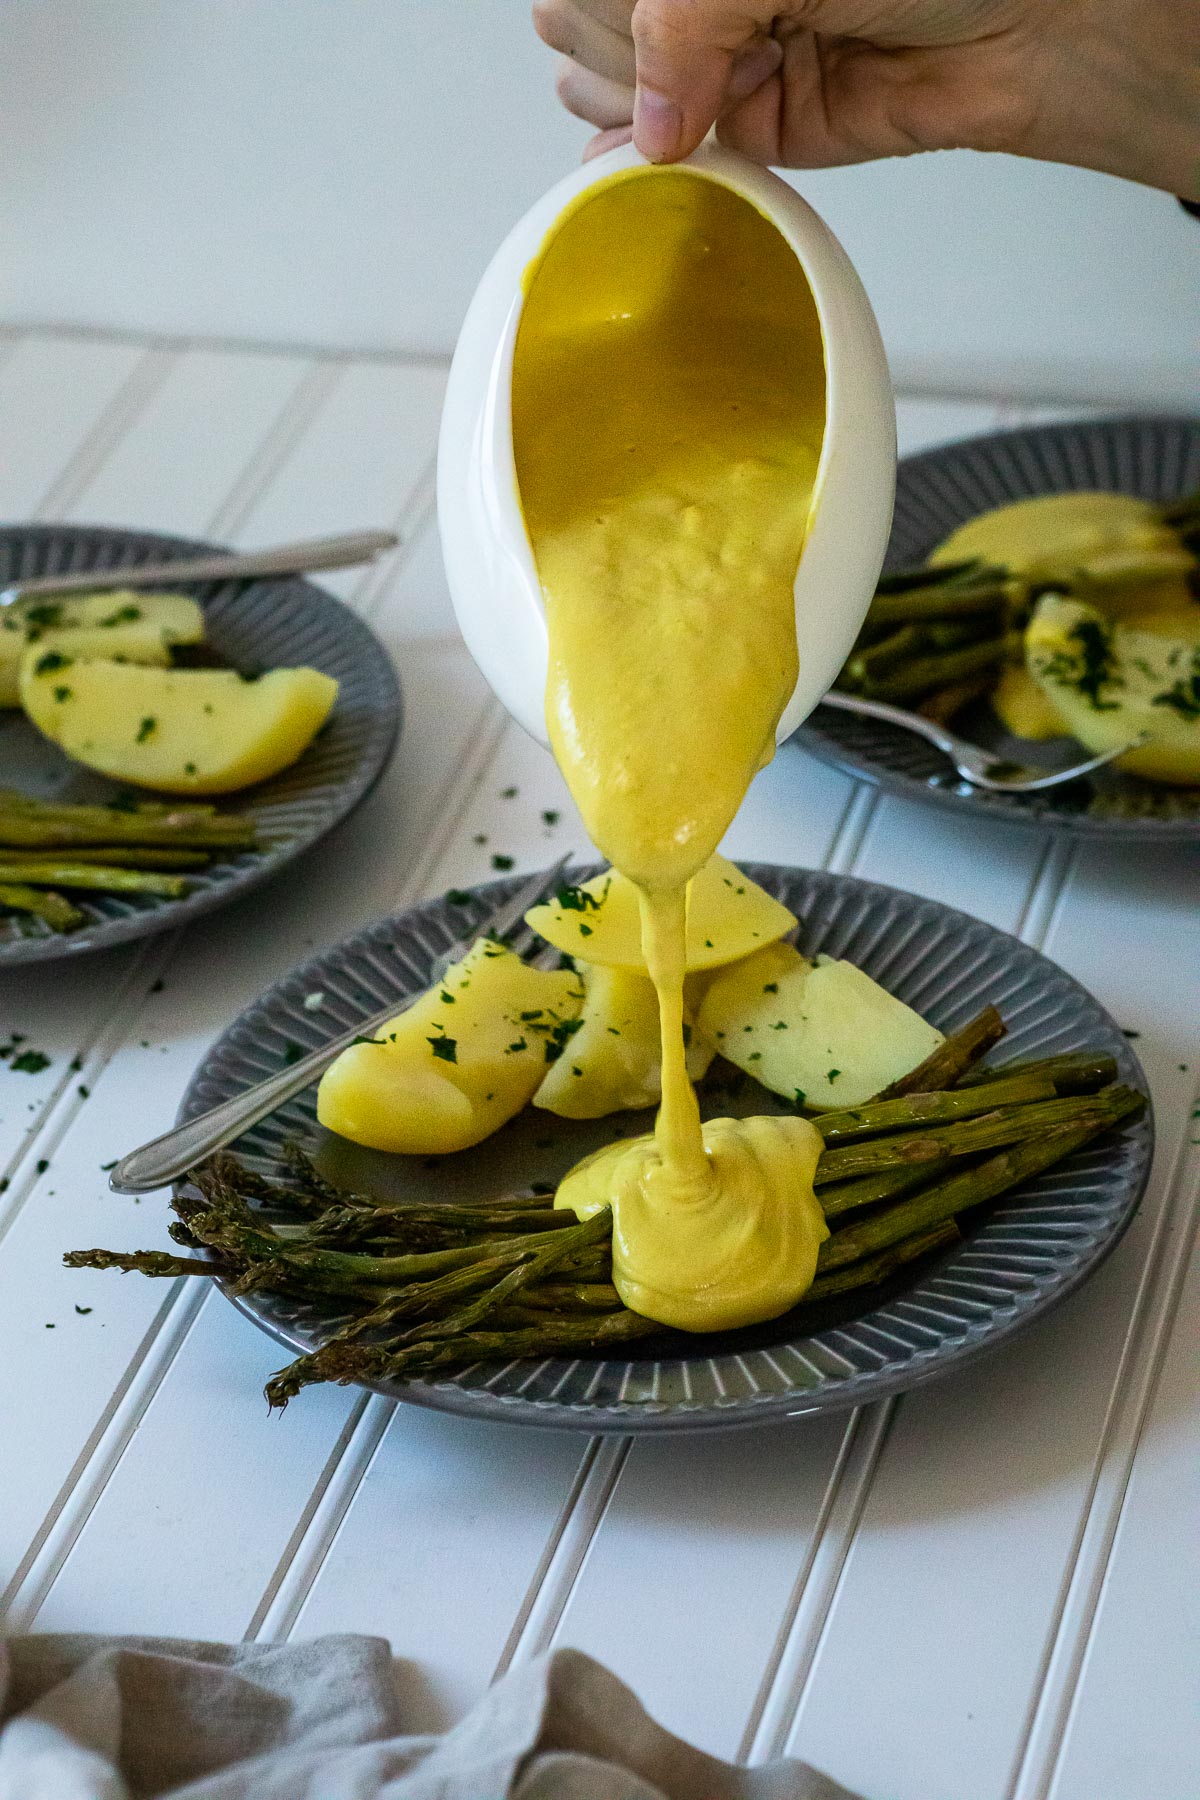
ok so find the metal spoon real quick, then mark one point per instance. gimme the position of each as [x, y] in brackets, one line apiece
[341, 552]
[166, 1158]
[980, 767]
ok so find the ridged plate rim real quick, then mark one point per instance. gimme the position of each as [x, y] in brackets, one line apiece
[372, 730]
[893, 922]
[940, 476]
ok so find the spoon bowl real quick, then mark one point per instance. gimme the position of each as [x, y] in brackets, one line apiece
[489, 563]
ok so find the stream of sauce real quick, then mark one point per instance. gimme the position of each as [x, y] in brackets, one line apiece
[668, 408]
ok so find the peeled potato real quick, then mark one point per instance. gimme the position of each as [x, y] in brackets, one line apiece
[821, 1035]
[614, 1061]
[139, 628]
[184, 731]
[459, 1063]
[1023, 708]
[728, 916]
[1111, 682]
[1054, 534]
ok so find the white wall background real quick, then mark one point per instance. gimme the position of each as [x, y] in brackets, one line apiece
[337, 172]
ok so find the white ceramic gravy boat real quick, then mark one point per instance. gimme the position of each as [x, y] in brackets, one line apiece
[489, 564]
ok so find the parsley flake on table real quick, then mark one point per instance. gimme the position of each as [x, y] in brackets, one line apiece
[503, 862]
[30, 1062]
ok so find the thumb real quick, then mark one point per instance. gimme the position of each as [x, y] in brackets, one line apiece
[686, 55]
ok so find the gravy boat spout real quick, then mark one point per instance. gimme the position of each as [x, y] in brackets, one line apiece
[489, 563]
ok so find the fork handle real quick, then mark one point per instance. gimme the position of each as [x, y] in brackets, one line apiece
[164, 1159]
[894, 715]
[340, 552]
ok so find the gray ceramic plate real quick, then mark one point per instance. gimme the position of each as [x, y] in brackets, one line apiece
[278, 622]
[1156, 458]
[1021, 1258]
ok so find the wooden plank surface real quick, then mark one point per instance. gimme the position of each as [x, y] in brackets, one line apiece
[939, 1597]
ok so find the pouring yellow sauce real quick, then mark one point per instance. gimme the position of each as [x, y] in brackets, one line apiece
[668, 399]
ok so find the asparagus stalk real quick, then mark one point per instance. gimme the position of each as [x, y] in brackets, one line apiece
[375, 1363]
[946, 1065]
[92, 875]
[885, 1184]
[917, 605]
[944, 704]
[874, 660]
[119, 856]
[143, 1262]
[981, 1182]
[1006, 1125]
[68, 828]
[922, 674]
[870, 1270]
[1072, 1072]
[876, 1116]
[51, 908]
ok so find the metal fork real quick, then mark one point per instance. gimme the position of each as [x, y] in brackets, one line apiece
[341, 552]
[980, 767]
[166, 1158]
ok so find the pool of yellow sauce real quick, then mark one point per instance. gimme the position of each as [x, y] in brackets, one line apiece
[668, 403]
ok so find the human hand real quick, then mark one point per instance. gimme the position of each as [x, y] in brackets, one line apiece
[1106, 84]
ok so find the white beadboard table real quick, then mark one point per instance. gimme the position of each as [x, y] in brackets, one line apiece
[982, 1592]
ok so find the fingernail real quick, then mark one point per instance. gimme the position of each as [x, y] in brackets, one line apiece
[753, 67]
[657, 125]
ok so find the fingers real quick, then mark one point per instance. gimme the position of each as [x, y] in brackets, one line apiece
[593, 97]
[685, 59]
[607, 140]
[572, 29]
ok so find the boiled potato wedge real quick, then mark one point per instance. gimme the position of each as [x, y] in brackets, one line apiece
[820, 1034]
[1023, 708]
[459, 1063]
[1052, 535]
[728, 916]
[179, 731]
[614, 1061]
[1112, 683]
[124, 625]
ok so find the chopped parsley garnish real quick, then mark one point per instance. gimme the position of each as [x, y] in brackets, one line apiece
[53, 659]
[551, 817]
[62, 693]
[508, 793]
[800, 1097]
[1097, 671]
[1184, 696]
[30, 1062]
[124, 615]
[447, 998]
[46, 612]
[458, 897]
[558, 1037]
[503, 862]
[772, 987]
[833, 1074]
[578, 899]
[521, 1044]
[291, 1054]
[444, 1047]
[146, 729]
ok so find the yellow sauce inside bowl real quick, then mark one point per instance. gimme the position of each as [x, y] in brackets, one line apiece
[668, 403]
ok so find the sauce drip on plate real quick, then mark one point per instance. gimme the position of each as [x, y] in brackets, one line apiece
[668, 401]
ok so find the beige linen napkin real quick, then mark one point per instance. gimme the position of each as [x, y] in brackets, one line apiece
[93, 1718]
